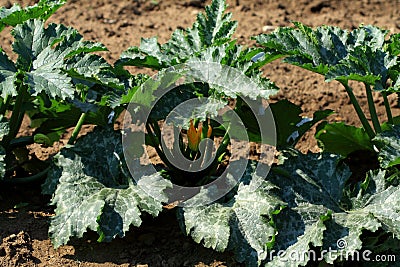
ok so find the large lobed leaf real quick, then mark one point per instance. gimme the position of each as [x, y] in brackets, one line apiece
[95, 190]
[314, 187]
[209, 40]
[17, 15]
[42, 54]
[360, 55]
[93, 69]
[241, 224]
[307, 234]
[365, 65]
[315, 50]
[243, 75]
[211, 29]
[320, 213]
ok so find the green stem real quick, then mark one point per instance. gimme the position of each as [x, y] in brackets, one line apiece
[157, 130]
[29, 179]
[224, 144]
[16, 116]
[21, 141]
[367, 127]
[388, 109]
[77, 129]
[372, 110]
[157, 147]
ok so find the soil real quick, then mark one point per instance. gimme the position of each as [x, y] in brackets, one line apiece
[24, 213]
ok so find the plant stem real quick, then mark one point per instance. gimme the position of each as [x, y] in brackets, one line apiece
[160, 153]
[16, 116]
[224, 144]
[157, 130]
[28, 179]
[372, 110]
[77, 129]
[387, 107]
[21, 141]
[367, 127]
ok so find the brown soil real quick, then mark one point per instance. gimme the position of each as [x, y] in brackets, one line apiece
[24, 213]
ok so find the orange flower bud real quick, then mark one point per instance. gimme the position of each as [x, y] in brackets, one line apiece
[209, 131]
[194, 137]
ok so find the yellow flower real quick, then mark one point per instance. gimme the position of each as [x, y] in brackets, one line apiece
[195, 136]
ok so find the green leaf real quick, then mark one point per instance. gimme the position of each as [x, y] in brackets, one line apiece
[338, 54]
[211, 29]
[388, 143]
[181, 116]
[290, 125]
[42, 53]
[241, 224]
[4, 127]
[342, 139]
[7, 76]
[96, 192]
[42, 139]
[220, 76]
[394, 44]
[216, 77]
[209, 40]
[93, 68]
[314, 188]
[317, 179]
[148, 55]
[210, 63]
[313, 234]
[215, 26]
[364, 64]
[147, 94]
[374, 207]
[252, 222]
[315, 50]
[17, 15]
[368, 35]
[121, 97]
[210, 223]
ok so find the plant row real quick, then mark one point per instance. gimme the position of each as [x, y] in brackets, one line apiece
[302, 202]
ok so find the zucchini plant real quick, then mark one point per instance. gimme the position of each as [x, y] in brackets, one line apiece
[51, 81]
[210, 91]
[366, 55]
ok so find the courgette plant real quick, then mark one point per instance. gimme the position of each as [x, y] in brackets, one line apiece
[209, 40]
[306, 203]
[366, 55]
[51, 81]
